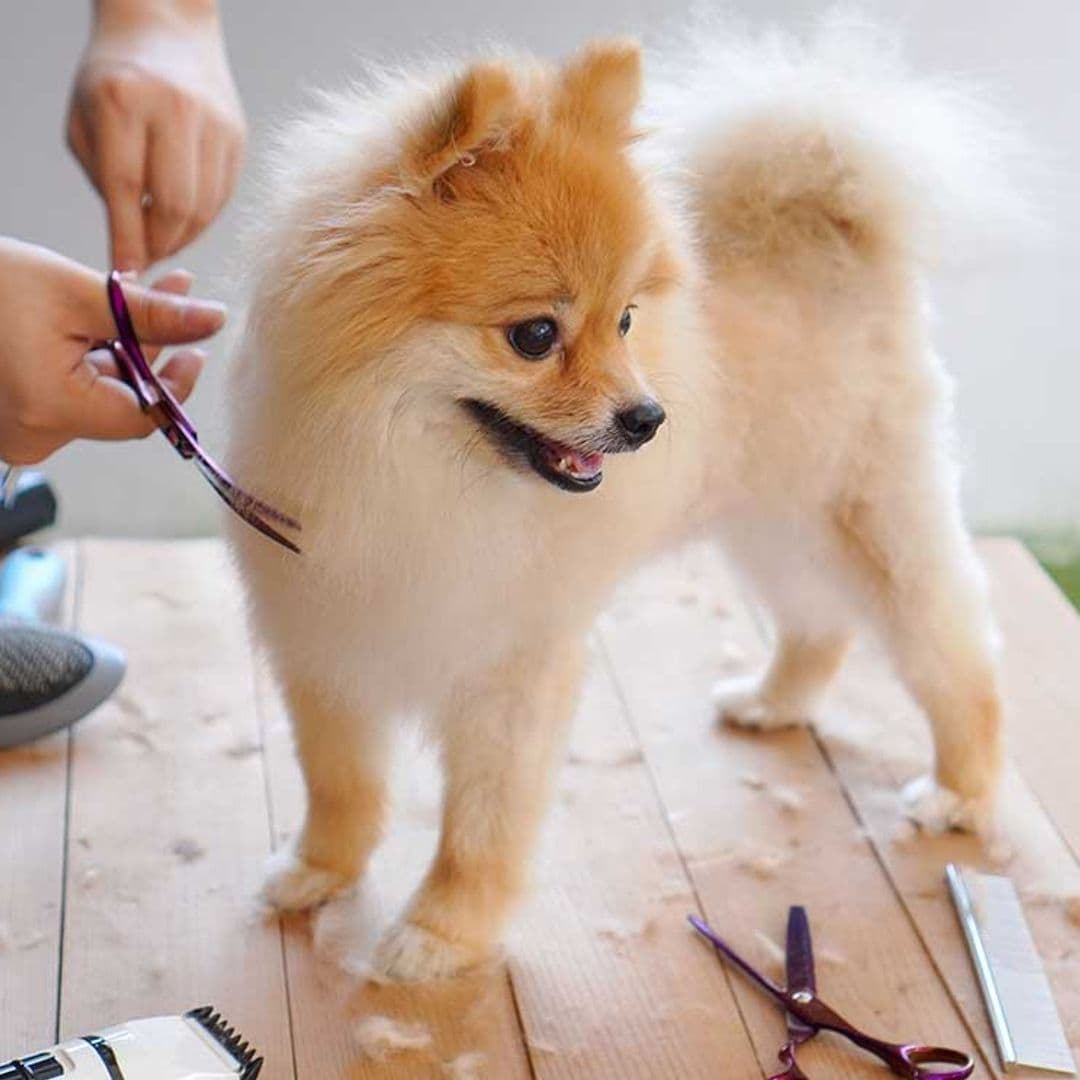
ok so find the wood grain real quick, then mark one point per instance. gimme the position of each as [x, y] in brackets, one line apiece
[763, 824]
[877, 740]
[168, 814]
[176, 782]
[609, 981]
[1042, 680]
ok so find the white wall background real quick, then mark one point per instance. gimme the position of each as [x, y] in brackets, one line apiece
[1008, 327]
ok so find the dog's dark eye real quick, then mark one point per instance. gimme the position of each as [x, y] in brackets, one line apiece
[624, 323]
[533, 339]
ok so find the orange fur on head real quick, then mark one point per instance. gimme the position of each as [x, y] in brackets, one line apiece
[478, 110]
[601, 89]
[512, 196]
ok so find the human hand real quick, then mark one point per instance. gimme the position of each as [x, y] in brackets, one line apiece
[53, 386]
[156, 123]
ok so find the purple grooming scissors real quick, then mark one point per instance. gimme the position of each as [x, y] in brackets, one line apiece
[807, 1014]
[154, 398]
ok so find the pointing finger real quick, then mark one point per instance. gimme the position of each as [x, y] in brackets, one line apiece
[121, 154]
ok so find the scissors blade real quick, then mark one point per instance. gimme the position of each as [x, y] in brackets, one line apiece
[228, 494]
[800, 969]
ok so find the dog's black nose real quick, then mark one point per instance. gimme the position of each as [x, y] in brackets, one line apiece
[641, 422]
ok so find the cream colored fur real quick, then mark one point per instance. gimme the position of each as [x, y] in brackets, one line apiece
[807, 430]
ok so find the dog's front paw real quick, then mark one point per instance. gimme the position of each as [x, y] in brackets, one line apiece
[937, 809]
[292, 884]
[743, 702]
[410, 953]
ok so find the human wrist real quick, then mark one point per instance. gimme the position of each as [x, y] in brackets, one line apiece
[128, 16]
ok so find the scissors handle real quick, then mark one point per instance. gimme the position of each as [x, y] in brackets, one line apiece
[926, 1061]
[910, 1060]
[787, 1059]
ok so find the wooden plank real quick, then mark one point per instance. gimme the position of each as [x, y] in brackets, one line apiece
[608, 980]
[33, 797]
[470, 1016]
[168, 814]
[878, 740]
[1041, 672]
[763, 823]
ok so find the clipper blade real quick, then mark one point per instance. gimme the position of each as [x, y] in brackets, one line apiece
[246, 1056]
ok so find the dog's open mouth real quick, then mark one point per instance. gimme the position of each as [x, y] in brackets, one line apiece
[567, 467]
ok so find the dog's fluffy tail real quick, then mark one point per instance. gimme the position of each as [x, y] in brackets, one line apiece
[829, 148]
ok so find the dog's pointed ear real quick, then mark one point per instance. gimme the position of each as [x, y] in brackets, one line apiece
[475, 112]
[601, 88]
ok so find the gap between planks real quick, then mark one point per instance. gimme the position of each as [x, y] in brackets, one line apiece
[475, 1014]
[33, 783]
[1042, 629]
[668, 635]
[1029, 846]
[168, 825]
[873, 740]
[76, 569]
[603, 979]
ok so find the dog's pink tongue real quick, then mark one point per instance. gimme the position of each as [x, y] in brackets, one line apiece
[580, 463]
[587, 464]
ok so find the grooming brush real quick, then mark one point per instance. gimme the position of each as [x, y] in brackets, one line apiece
[196, 1046]
[48, 678]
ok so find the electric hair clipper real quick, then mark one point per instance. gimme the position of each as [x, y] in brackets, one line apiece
[196, 1046]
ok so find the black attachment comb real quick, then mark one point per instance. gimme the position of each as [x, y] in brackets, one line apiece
[228, 1037]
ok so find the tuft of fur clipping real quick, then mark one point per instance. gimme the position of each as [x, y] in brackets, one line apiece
[381, 1037]
[830, 144]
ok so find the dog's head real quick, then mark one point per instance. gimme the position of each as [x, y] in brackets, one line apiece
[509, 223]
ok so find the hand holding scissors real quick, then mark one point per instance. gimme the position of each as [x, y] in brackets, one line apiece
[807, 1014]
[55, 385]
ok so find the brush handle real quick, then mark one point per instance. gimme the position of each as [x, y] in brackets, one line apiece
[32, 585]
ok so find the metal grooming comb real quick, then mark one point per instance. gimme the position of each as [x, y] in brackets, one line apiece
[1027, 1027]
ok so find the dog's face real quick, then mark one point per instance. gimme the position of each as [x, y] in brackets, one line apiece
[522, 231]
[542, 246]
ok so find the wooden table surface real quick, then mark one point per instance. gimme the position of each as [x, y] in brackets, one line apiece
[132, 849]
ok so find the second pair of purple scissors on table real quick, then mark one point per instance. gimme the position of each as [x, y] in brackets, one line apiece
[808, 1015]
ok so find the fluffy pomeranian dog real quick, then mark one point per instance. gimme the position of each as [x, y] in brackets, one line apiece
[511, 336]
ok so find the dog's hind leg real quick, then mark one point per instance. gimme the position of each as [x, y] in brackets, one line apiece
[923, 589]
[788, 693]
[343, 758]
[502, 739]
[809, 624]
